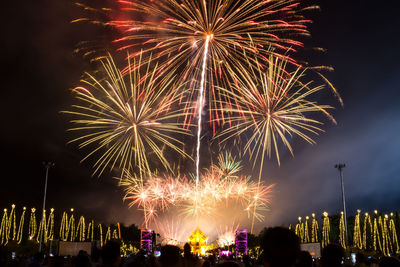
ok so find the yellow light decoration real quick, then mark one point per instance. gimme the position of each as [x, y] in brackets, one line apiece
[314, 229]
[108, 234]
[255, 253]
[128, 249]
[21, 226]
[392, 229]
[307, 230]
[101, 235]
[357, 238]
[299, 230]
[64, 227]
[386, 242]
[12, 224]
[198, 242]
[326, 228]
[42, 228]
[376, 235]
[81, 229]
[367, 225]
[32, 225]
[90, 231]
[50, 225]
[115, 234]
[342, 231]
[71, 226]
[4, 229]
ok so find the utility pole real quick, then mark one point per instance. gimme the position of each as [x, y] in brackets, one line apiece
[47, 165]
[340, 167]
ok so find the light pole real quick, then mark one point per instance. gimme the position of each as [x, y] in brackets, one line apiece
[47, 165]
[340, 167]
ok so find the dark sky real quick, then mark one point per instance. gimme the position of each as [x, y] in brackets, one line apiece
[39, 68]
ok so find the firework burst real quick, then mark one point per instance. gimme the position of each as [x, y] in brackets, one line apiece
[272, 107]
[214, 193]
[226, 236]
[227, 165]
[127, 117]
[172, 232]
[238, 55]
[181, 32]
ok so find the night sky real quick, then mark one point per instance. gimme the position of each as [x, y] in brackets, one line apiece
[39, 68]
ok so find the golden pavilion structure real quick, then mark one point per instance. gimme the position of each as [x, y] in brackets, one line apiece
[198, 242]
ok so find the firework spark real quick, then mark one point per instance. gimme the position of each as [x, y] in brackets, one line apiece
[227, 165]
[172, 232]
[214, 193]
[272, 108]
[180, 32]
[127, 117]
[272, 104]
[231, 53]
[226, 237]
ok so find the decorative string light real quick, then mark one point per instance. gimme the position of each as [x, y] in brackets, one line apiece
[367, 225]
[357, 237]
[90, 231]
[378, 233]
[4, 228]
[21, 226]
[32, 225]
[386, 242]
[326, 228]
[315, 229]
[13, 229]
[101, 235]
[115, 234]
[342, 232]
[376, 236]
[50, 226]
[299, 230]
[71, 226]
[12, 224]
[128, 249]
[64, 227]
[392, 228]
[108, 234]
[42, 228]
[307, 230]
[80, 229]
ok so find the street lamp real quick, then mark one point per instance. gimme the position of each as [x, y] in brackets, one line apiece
[340, 167]
[47, 165]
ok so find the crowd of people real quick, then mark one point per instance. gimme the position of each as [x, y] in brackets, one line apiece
[280, 246]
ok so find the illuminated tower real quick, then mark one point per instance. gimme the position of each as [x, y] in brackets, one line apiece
[241, 242]
[146, 239]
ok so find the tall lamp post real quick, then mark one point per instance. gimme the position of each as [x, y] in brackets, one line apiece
[47, 165]
[340, 167]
